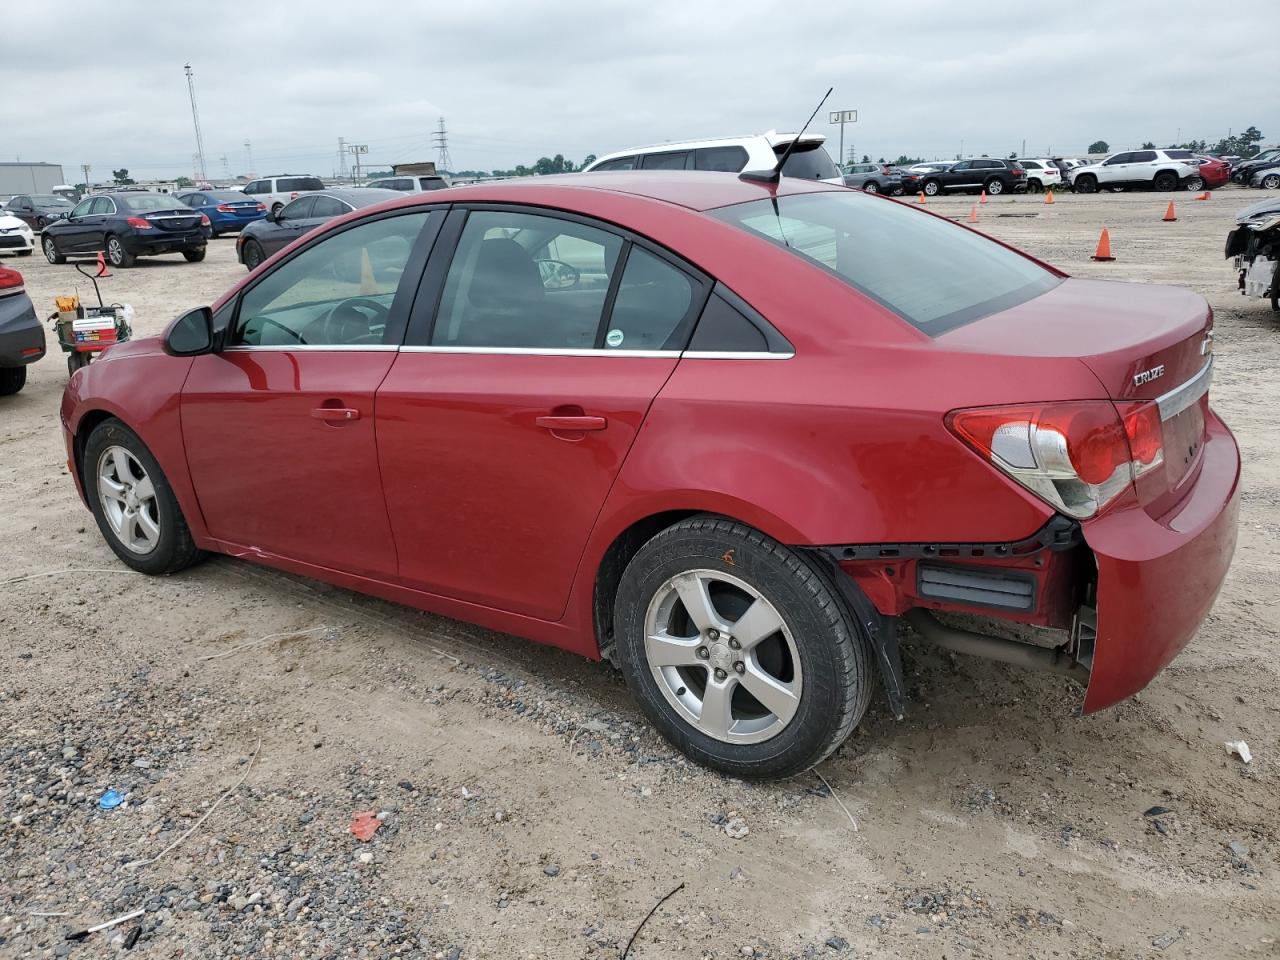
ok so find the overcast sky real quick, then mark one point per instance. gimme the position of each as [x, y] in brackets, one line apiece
[102, 83]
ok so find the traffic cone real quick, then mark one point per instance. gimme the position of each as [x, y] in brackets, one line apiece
[102, 266]
[973, 214]
[1048, 197]
[1169, 214]
[1104, 247]
[983, 198]
[920, 199]
[1204, 196]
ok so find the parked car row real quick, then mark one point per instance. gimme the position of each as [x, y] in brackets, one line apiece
[1260, 171]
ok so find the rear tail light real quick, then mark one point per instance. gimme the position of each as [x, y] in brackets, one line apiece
[225, 208]
[204, 221]
[1078, 457]
[294, 195]
[140, 223]
[260, 207]
[10, 281]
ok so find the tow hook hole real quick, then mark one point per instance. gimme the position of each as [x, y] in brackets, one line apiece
[889, 571]
[848, 553]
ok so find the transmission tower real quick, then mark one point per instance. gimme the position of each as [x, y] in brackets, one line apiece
[441, 142]
[248, 159]
[195, 119]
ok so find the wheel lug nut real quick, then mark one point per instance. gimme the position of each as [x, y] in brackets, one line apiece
[713, 634]
[734, 644]
[720, 674]
[703, 653]
[740, 667]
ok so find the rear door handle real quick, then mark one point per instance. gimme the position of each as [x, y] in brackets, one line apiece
[579, 424]
[335, 413]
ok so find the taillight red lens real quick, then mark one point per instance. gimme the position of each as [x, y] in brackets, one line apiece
[140, 224]
[1077, 456]
[224, 208]
[10, 279]
[261, 206]
[204, 221]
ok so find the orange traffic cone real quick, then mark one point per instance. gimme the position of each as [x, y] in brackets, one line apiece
[102, 266]
[1169, 214]
[973, 214]
[1104, 247]
[920, 199]
[983, 198]
[1048, 197]
[1204, 196]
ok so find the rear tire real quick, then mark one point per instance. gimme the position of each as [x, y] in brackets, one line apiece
[116, 459]
[994, 187]
[1165, 182]
[1085, 183]
[1271, 181]
[117, 255]
[276, 208]
[252, 255]
[76, 360]
[804, 652]
[1195, 184]
[12, 379]
[194, 256]
[51, 251]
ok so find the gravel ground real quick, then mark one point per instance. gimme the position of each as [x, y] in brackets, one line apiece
[526, 808]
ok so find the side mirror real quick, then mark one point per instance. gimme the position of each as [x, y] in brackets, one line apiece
[191, 334]
[273, 216]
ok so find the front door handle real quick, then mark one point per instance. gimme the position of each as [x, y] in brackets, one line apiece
[336, 413]
[572, 424]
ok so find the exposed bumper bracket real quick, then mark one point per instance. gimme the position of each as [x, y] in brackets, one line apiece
[1060, 533]
[1055, 660]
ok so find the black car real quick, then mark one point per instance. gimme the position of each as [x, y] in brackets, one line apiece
[21, 335]
[38, 209]
[262, 238]
[981, 173]
[126, 226]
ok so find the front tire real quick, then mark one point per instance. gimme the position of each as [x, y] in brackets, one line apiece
[51, 251]
[194, 256]
[1085, 183]
[12, 379]
[871, 187]
[117, 255]
[1271, 181]
[133, 503]
[739, 650]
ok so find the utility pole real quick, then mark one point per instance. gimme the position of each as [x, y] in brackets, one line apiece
[84, 169]
[357, 150]
[842, 117]
[441, 142]
[248, 159]
[195, 119]
[342, 158]
[1024, 147]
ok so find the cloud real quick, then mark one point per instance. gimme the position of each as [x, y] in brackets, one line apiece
[518, 80]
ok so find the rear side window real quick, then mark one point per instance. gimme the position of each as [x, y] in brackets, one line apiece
[933, 274]
[723, 329]
[1142, 156]
[808, 161]
[617, 163]
[1029, 164]
[432, 183]
[1178, 154]
[654, 299]
[723, 159]
[665, 161]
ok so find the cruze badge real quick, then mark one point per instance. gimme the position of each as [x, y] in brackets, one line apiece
[1146, 376]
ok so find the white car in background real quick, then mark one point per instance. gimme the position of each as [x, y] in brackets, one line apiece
[808, 161]
[416, 183]
[274, 192]
[1042, 174]
[16, 236]
[1163, 170]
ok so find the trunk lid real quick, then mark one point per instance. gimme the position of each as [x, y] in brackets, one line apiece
[174, 219]
[1142, 342]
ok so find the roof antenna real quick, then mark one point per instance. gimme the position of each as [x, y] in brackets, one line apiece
[774, 175]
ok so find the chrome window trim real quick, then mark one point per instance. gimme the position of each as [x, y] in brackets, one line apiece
[518, 351]
[542, 351]
[735, 355]
[1187, 395]
[332, 348]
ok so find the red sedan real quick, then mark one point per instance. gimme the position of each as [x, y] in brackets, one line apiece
[1213, 172]
[724, 432]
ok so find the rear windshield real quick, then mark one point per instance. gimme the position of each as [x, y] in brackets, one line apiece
[932, 273]
[299, 183]
[146, 203]
[48, 200]
[808, 161]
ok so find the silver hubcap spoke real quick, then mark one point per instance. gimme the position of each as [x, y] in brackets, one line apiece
[723, 657]
[128, 499]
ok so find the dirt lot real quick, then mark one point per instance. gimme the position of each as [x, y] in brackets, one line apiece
[530, 812]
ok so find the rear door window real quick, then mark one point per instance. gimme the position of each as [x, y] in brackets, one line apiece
[300, 209]
[328, 207]
[1142, 156]
[617, 163]
[930, 272]
[723, 159]
[654, 305]
[677, 160]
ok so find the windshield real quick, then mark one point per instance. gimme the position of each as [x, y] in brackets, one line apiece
[808, 161]
[932, 273]
[48, 200]
[152, 202]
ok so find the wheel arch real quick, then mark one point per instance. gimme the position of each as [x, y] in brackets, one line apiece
[1160, 173]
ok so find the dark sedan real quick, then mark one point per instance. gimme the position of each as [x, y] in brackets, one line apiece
[262, 238]
[227, 210]
[127, 226]
[38, 209]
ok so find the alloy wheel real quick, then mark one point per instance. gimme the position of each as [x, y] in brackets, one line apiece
[50, 251]
[871, 187]
[995, 188]
[115, 252]
[128, 499]
[723, 657]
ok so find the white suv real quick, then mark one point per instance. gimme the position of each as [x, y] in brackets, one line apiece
[729, 155]
[1041, 174]
[417, 183]
[1159, 169]
[274, 192]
